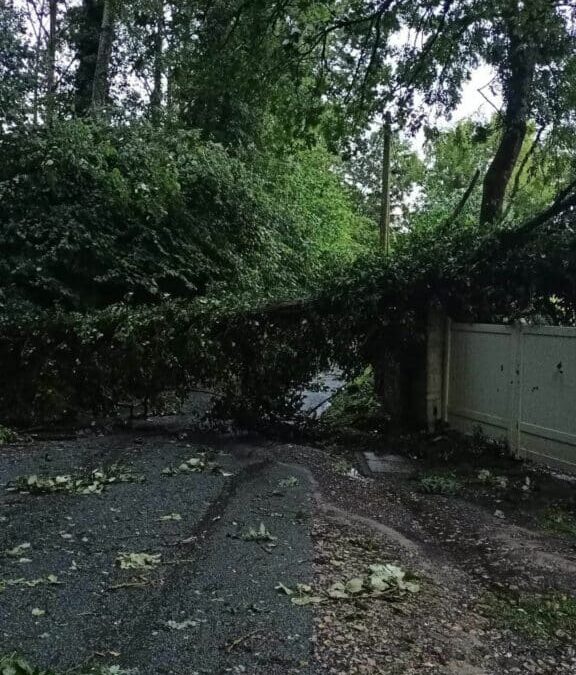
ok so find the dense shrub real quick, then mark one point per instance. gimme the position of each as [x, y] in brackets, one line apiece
[131, 268]
[60, 364]
[129, 253]
[92, 216]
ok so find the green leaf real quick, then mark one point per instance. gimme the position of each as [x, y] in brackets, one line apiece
[283, 589]
[355, 585]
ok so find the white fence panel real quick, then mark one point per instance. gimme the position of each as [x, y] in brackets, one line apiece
[516, 383]
[480, 390]
[547, 417]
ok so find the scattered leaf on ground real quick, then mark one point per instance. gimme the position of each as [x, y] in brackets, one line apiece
[202, 463]
[291, 481]
[90, 483]
[29, 583]
[17, 551]
[261, 534]
[138, 561]
[181, 625]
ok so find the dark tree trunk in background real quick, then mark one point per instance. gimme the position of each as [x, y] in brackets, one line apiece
[385, 200]
[517, 97]
[87, 21]
[156, 97]
[101, 84]
[51, 62]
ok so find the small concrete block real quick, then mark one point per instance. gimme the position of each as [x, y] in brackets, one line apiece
[388, 463]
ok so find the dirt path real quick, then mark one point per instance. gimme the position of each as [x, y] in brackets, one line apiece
[467, 559]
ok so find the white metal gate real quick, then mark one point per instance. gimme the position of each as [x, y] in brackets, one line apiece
[517, 383]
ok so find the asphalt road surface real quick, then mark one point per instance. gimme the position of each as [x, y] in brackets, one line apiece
[207, 604]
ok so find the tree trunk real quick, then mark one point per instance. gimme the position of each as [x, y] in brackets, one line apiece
[37, 20]
[101, 83]
[517, 95]
[51, 63]
[156, 96]
[88, 21]
[385, 201]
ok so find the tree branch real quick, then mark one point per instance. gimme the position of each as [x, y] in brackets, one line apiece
[565, 201]
[462, 203]
[520, 171]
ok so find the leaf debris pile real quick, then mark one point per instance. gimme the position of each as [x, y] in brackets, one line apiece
[138, 561]
[260, 534]
[203, 463]
[301, 595]
[50, 579]
[15, 665]
[380, 581]
[93, 483]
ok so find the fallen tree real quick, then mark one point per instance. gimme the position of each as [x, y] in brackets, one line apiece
[58, 364]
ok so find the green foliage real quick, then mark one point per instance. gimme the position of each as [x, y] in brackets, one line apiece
[7, 435]
[138, 215]
[128, 274]
[259, 534]
[440, 484]
[242, 72]
[16, 665]
[131, 214]
[94, 482]
[356, 405]
[559, 520]
[453, 156]
[16, 78]
[549, 616]
[363, 171]
[63, 363]
[136, 256]
[308, 188]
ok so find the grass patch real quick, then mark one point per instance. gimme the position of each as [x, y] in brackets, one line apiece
[439, 484]
[550, 616]
[559, 521]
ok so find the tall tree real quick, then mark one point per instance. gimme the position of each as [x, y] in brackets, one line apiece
[51, 61]
[86, 24]
[17, 68]
[518, 71]
[158, 58]
[101, 83]
[386, 167]
[437, 45]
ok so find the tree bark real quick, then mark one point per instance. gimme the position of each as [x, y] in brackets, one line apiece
[517, 95]
[51, 62]
[385, 201]
[88, 22]
[156, 96]
[101, 84]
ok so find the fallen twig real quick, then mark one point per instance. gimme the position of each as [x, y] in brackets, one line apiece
[142, 582]
[240, 640]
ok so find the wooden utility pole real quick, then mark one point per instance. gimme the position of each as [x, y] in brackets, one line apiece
[385, 201]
